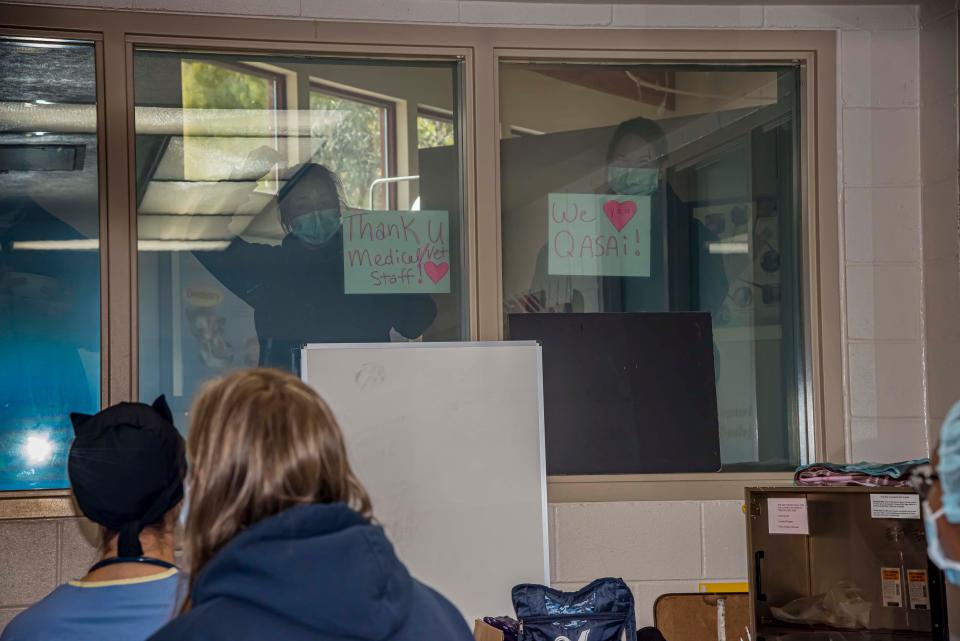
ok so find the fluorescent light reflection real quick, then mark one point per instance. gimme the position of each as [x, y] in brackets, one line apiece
[92, 244]
[37, 450]
[728, 248]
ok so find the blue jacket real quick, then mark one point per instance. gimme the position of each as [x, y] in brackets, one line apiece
[317, 572]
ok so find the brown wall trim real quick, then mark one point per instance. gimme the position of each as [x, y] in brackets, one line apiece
[37, 504]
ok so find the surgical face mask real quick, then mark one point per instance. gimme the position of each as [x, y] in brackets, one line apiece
[184, 510]
[950, 567]
[185, 503]
[633, 181]
[316, 227]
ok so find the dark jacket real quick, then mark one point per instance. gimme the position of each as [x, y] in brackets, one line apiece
[297, 297]
[317, 572]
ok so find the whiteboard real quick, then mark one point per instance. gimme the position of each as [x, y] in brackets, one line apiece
[448, 440]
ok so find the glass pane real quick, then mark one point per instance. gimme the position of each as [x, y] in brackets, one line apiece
[257, 233]
[49, 256]
[355, 148]
[690, 172]
[210, 86]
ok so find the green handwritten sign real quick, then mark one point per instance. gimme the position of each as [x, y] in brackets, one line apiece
[598, 235]
[396, 252]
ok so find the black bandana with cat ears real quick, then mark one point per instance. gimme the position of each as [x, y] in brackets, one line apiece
[126, 467]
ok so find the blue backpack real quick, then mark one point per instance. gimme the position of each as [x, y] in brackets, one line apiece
[601, 611]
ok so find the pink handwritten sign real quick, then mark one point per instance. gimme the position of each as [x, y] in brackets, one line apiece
[598, 235]
[396, 252]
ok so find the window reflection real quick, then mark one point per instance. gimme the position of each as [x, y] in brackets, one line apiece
[434, 128]
[644, 188]
[285, 200]
[359, 146]
[49, 258]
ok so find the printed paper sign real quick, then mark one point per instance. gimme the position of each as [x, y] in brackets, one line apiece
[598, 235]
[788, 516]
[396, 252]
[892, 593]
[894, 506]
[917, 589]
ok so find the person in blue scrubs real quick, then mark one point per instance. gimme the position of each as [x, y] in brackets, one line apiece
[126, 466]
[296, 288]
[939, 487]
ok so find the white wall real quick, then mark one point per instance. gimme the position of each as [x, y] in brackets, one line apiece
[938, 192]
[661, 546]
[658, 547]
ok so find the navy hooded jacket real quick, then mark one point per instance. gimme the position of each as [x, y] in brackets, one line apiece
[317, 572]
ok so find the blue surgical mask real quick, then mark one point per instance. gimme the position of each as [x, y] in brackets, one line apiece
[184, 508]
[316, 227]
[950, 567]
[633, 181]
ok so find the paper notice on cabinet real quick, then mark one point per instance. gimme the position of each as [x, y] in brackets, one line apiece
[918, 591]
[892, 592]
[788, 516]
[894, 506]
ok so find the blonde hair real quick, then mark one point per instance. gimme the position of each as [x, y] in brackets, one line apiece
[260, 441]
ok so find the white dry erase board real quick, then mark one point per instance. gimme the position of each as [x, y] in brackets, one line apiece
[448, 440]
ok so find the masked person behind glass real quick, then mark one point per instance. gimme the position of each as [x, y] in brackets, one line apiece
[296, 289]
[280, 532]
[939, 487]
[694, 279]
[126, 467]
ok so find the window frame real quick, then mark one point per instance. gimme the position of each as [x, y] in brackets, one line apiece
[480, 49]
[820, 398]
[19, 504]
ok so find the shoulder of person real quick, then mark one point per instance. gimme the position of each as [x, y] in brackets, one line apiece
[36, 622]
[457, 628]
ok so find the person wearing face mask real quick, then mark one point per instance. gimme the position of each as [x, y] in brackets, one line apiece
[683, 274]
[939, 487]
[296, 288]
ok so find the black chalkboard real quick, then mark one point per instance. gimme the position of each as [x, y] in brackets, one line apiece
[626, 393]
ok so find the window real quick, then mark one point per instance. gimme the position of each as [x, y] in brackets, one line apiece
[210, 138]
[701, 165]
[256, 230]
[354, 135]
[49, 256]
[434, 128]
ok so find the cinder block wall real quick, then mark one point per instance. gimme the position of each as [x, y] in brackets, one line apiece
[39, 554]
[658, 547]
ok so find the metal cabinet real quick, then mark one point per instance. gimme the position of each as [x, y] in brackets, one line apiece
[859, 573]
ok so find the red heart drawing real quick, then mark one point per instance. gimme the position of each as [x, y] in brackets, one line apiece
[436, 272]
[620, 213]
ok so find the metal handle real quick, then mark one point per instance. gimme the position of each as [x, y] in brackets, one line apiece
[385, 181]
[758, 575]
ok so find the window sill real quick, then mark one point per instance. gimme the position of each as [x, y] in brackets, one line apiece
[37, 504]
[46, 504]
[660, 487]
